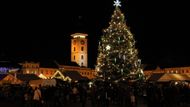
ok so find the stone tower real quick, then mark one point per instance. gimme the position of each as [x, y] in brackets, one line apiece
[79, 52]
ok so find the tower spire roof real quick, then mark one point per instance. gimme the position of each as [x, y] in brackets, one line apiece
[80, 35]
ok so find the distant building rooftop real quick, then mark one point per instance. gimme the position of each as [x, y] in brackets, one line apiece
[2, 76]
[74, 75]
[44, 64]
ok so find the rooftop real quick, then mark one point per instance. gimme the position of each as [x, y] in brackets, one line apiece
[79, 35]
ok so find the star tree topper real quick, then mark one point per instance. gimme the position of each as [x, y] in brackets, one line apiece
[117, 3]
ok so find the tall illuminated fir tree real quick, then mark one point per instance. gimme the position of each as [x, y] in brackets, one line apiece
[117, 56]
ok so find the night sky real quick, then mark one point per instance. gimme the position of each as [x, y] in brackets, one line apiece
[41, 30]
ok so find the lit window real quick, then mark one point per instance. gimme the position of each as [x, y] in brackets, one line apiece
[27, 71]
[176, 71]
[74, 42]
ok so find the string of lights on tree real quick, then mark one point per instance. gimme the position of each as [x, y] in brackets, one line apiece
[117, 55]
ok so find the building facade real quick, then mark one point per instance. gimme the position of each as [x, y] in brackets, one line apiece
[35, 68]
[172, 70]
[48, 72]
[79, 49]
[85, 72]
[30, 67]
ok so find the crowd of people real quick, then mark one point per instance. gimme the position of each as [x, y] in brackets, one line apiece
[100, 94]
[168, 95]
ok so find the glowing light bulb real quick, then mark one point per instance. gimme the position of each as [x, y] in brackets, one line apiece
[108, 47]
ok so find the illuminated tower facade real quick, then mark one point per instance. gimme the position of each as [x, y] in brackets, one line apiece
[79, 49]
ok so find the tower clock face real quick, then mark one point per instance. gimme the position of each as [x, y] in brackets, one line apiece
[82, 42]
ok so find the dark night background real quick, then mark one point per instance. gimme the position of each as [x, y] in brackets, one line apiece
[41, 30]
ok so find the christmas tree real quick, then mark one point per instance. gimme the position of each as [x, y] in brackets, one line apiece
[117, 55]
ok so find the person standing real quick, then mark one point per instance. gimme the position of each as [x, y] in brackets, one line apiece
[37, 97]
[132, 97]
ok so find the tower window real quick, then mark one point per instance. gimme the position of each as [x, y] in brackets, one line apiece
[82, 48]
[82, 57]
[74, 49]
[74, 42]
[74, 57]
